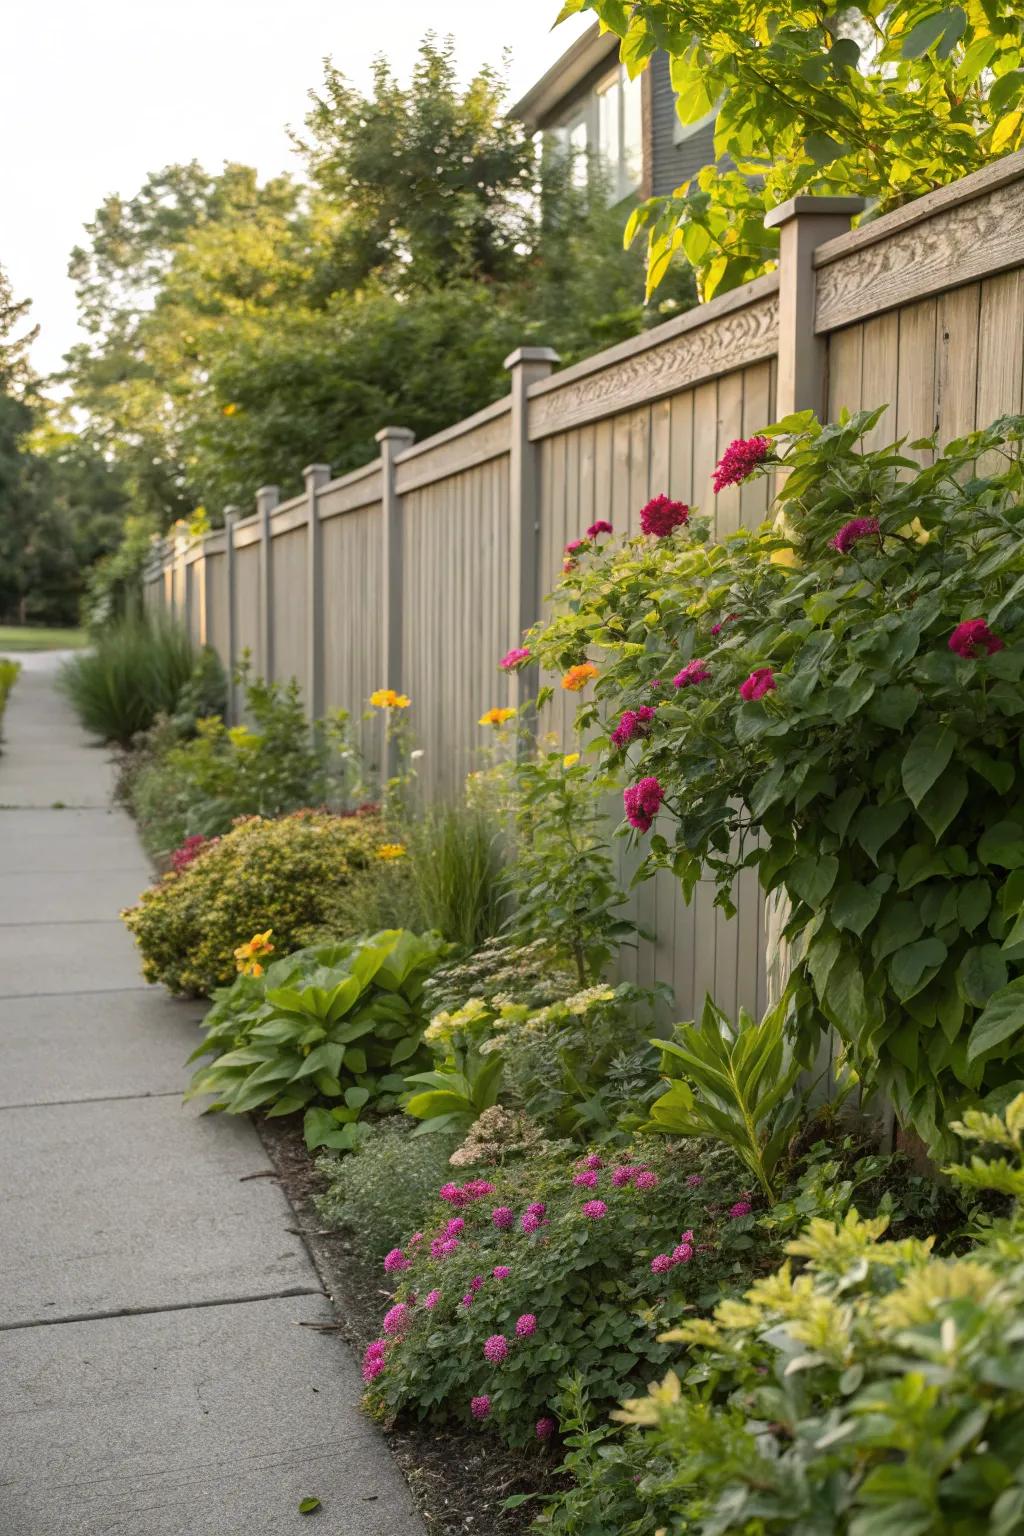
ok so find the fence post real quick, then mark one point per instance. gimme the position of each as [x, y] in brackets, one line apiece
[231, 589]
[315, 475]
[525, 365]
[267, 498]
[205, 591]
[804, 223]
[392, 440]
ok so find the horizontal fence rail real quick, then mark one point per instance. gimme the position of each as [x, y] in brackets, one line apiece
[418, 570]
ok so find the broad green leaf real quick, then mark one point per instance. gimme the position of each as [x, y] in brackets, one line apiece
[928, 755]
[1002, 845]
[942, 802]
[812, 877]
[1001, 1020]
[910, 967]
[875, 824]
[981, 972]
[854, 906]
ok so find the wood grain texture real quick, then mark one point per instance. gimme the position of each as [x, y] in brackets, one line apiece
[288, 574]
[456, 450]
[959, 244]
[717, 346]
[362, 488]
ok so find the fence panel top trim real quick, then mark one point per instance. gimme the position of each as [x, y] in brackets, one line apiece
[957, 234]
[738, 328]
[482, 436]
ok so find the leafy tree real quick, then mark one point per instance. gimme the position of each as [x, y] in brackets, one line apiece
[884, 99]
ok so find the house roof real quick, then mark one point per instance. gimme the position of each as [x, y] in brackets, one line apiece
[543, 99]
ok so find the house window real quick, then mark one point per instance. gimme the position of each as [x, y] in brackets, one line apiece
[620, 132]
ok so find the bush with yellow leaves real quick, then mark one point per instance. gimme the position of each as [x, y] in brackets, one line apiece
[296, 876]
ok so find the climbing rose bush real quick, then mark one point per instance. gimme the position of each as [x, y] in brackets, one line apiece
[547, 1266]
[846, 719]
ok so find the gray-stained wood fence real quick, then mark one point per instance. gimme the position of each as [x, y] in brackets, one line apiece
[419, 570]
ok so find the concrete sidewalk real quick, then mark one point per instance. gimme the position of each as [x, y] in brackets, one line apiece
[154, 1379]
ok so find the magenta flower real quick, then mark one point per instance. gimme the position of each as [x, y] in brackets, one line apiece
[686, 1237]
[496, 1348]
[544, 1429]
[417, 1237]
[477, 1188]
[397, 1319]
[730, 618]
[537, 1208]
[526, 1325]
[452, 1193]
[455, 1226]
[645, 1180]
[515, 658]
[596, 529]
[501, 1271]
[741, 1208]
[623, 1175]
[595, 1209]
[682, 1254]
[467, 1300]
[739, 460]
[695, 1180]
[587, 1179]
[642, 802]
[503, 1217]
[693, 673]
[372, 1367]
[476, 1282]
[575, 545]
[661, 1264]
[530, 1222]
[633, 725]
[431, 1300]
[592, 1160]
[395, 1261]
[852, 532]
[480, 1407]
[660, 516]
[760, 682]
[969, 637]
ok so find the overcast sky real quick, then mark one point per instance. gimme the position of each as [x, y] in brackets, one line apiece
[93, 96]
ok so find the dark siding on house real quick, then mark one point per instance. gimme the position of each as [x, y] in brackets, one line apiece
[673, 163]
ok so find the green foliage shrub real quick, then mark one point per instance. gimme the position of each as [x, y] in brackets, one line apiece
[291, 876]
[579, 1283]
[137, 669]
[383, 1187]
[330, 1023]
[200, 785]
[8, 677]
[457, 865]
[840, 731]
[877, 1388]
[500, 971]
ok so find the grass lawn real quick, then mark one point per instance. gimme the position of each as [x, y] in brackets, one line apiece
[22, 637]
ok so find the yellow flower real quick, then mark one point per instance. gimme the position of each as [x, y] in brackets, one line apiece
[391, 851]
[245, 954]
[570, 759]
[229, 410]
[387, 698]
[496, 717]
[578, 677]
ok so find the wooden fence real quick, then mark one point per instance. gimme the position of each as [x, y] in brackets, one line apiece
[421, 569]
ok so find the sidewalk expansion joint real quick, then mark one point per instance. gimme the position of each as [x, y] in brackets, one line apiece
[30, 997]
[96, 1098]
[173, 1306]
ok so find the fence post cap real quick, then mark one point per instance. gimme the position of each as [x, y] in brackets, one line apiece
[317, 472]
[394, 435]
[796, 207]
[266, 491]
[531, 355]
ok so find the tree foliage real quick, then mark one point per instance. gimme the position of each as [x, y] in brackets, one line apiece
[882, 99]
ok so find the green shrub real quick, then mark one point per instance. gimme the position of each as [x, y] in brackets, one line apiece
[457, 865]
[382, 1188]
[579, 1283]
[500, 971]
[876, 1390]
[199, 787]
[290, 876]
[137, 669]
[8, 677]
[332, 1022]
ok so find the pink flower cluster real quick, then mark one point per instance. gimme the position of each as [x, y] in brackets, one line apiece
[694, 672]
[740, 1208]
[760, 682]
[595, 1210]
[634, 724]
[739, 460]
[464, 1194]
[545, 1428]
[596, 529]
[397, 1319]
[971, 637]
[373, 1360]
[190, 850]
[682, 1253]
[642, 802]
[503, 1217]
[395, 1262]
[480, 1407]
[852, 532]
[532, 1218]
[661, 516]
[515, 658]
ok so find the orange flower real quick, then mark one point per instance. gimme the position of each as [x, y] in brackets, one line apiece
[578, 677]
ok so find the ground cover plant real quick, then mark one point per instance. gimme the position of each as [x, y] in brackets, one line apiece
[379, 1190]
[138, 668]
[291, 876]
[837, 702]
[331, 1030]
[8, 677]
[868, 1385]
